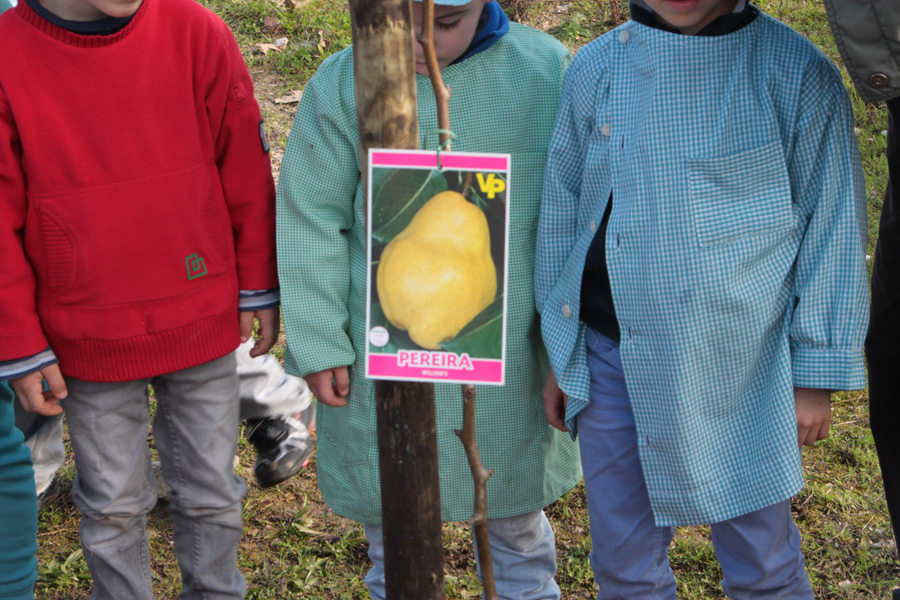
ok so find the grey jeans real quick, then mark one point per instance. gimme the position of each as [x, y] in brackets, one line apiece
[265, 390]
[195, 430]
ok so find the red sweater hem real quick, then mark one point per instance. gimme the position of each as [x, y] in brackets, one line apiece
[149, 355]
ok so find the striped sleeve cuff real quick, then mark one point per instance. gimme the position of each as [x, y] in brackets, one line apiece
[252, 300]
[13, 369]
[828, 369]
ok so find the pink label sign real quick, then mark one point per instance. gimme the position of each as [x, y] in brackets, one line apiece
[438, 239]
[469, 162]
[394, 366]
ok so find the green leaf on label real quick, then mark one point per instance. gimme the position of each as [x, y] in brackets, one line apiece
[398, 340]
[483, 336]
[379, 176]
[399, 196]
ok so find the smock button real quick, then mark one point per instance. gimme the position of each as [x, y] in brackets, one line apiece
[593, 226]
[566, 311]
[624, 36]
[878, 80]
[606, 129]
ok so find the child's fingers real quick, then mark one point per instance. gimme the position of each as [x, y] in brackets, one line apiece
[267, 338]
[813, 408]
[321, 386]
[268, 331]
[50, 407]
[55, 381]
[557, 420]
[31, 398]
[328, 398]
[808, 435]
[245, 323]
[554, 402]
[555, 409]
[29, 391]
[342, 383]
[803, 436]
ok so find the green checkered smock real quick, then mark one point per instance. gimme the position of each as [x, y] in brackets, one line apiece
[502, 100]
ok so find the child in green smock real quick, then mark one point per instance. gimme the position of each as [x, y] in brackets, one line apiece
[504, 80]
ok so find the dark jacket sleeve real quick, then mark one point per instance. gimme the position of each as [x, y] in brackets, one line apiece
[867, 33]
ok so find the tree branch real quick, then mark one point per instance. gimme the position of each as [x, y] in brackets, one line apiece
[480, 475]
[441, 92]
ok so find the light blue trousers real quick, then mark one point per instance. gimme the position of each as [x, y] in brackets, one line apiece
[759, 552]
[523, 551]
[195, 430]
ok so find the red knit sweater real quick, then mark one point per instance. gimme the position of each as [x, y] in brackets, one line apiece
[135, 195]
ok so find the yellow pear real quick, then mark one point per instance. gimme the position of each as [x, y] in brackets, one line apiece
[436, 275]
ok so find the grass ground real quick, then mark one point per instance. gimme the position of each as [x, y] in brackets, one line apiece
[295, 547]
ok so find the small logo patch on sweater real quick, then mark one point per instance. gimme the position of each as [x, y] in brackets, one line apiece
[263, 137]
[196, 266]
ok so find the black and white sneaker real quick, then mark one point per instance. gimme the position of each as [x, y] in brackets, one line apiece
[49, 495]
[284, 445]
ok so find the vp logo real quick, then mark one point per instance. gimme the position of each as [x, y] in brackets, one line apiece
[491, 186]
[196, 266]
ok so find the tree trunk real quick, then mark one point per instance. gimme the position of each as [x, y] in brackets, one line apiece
[384, 74]
[410, 491]
[384, 71]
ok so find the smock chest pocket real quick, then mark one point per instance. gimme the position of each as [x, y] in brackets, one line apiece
[741, 195]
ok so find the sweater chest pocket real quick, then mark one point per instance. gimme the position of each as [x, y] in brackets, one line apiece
[740, 195]
[142, 240]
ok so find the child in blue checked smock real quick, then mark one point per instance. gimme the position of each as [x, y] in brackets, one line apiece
[504, 80]
[701, 282]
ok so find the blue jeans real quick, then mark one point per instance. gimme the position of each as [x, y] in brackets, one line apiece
[195, 430]
[759, 552]
[523, 550]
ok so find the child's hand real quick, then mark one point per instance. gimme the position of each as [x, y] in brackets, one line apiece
[330, 386]
[554, 402]
[813, 415]
[268, 329]
[29, 391]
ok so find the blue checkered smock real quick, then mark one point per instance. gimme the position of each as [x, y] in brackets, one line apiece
[735, 249]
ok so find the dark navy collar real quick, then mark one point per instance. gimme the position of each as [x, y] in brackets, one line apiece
[492, 25]
[104, 26]
[719, 26]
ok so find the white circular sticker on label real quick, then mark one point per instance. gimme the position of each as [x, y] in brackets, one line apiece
[379, 336]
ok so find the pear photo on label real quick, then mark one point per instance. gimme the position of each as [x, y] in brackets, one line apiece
[437, 274]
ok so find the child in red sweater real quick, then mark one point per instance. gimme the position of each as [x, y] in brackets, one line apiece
[136, 209]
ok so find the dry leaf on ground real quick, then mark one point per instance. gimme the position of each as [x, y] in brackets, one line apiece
[294, 96]
[271, 24]
[264, 49]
